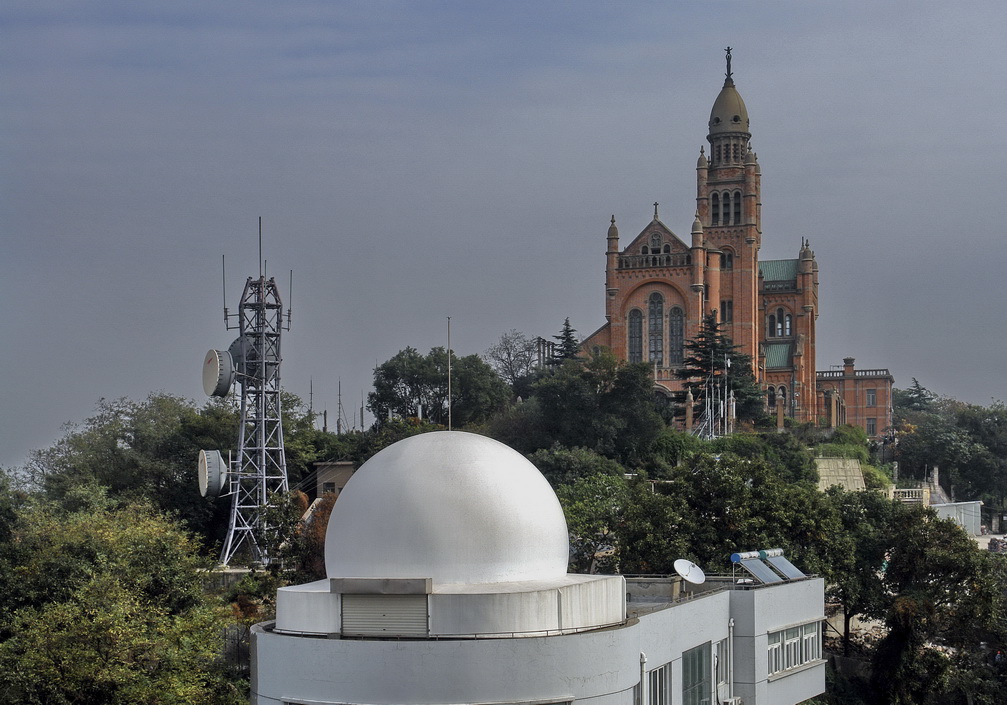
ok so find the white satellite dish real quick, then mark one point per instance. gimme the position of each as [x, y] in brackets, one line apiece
[690, 572]
[212, 473]
[218, 373]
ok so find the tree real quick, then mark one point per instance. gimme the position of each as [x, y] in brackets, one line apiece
[599, 403]
[143, 451]
[562, 466]
[105, 604]
[513, 356]
[858, 553]
[567, 345]
[711, 358]
[942, 591]
[411, 385]
[593, 505]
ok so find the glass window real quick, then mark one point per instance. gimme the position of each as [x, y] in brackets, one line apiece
[872, 427]
[696, 687]
[659, 686]
[787, 323]
[723, 662]
[715, 209]
[771, 398]
[794, 647]
[635, 336]
[779, 321]
[728, 259]
[737, 207]
[655, 328]
[676, 335]
[726, 311]
[772, 325]
[872, 397]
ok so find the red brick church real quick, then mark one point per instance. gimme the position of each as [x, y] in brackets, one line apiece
[659, 286]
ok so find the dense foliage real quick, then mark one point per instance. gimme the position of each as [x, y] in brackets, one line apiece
[103, 602]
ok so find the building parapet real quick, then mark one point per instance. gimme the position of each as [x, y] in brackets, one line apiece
[840, 374]
[662, 260]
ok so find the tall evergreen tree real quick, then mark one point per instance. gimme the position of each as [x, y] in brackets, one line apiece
[713, 358]
[567, 345]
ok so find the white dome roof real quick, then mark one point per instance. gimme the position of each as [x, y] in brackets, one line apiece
[452, 506]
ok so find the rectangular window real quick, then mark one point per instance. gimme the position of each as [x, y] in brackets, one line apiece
[659, 686]
[328, 487]
[872, 397]
[872, 427]
[723, 662]
[696, 674]
[794, 647]
[726, 311]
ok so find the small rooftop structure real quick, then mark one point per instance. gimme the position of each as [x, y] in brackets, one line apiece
[845, 472]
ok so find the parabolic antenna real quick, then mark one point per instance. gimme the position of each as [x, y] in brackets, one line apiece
[690, 572]
[246, 357]
[212, 473]
[218, 373]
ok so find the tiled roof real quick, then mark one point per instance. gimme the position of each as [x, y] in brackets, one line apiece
[778, 270]
[778, 355]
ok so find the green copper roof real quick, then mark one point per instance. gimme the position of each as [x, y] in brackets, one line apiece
[778, 270]
[778, 355]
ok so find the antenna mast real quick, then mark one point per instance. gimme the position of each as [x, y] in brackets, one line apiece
[260, 470]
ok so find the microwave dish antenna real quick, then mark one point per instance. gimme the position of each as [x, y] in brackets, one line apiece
[218, 373]
[690, 572]
[212, 473]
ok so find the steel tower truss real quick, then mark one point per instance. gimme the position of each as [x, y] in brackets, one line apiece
[261, 468]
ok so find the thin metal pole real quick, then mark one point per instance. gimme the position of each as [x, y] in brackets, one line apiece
[449, 373]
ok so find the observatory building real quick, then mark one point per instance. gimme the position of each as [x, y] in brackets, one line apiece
[446, 557]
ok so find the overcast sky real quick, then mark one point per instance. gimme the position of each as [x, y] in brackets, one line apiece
[418, 160]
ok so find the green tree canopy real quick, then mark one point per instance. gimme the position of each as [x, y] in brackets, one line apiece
[105, 604]
[411, 385]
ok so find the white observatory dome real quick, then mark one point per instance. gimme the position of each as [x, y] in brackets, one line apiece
[451, 506]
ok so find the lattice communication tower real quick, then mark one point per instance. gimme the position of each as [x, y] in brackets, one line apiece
[260, 470]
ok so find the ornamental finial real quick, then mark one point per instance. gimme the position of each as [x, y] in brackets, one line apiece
[729, 74]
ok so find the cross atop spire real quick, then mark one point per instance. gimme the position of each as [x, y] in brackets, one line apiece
[655, 210]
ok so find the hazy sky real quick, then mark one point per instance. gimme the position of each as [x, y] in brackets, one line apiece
[417, 160]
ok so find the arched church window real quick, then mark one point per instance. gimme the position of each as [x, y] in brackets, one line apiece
[715, 209]
[779, 322]
[737, 207]
[771, 397]
[728, 260]
[635, 335]
[782, 395]
[726, 201]
[676, 335]
[644, 250]
[655, 242]
[771, 328]
[667, 249]
[787, 325]
[655, 328]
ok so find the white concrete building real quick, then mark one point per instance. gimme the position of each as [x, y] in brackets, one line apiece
[446, 558]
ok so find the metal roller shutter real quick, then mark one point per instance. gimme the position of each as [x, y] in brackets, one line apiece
[385, 615]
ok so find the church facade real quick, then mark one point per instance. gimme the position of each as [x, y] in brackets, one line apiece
[658, 287]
